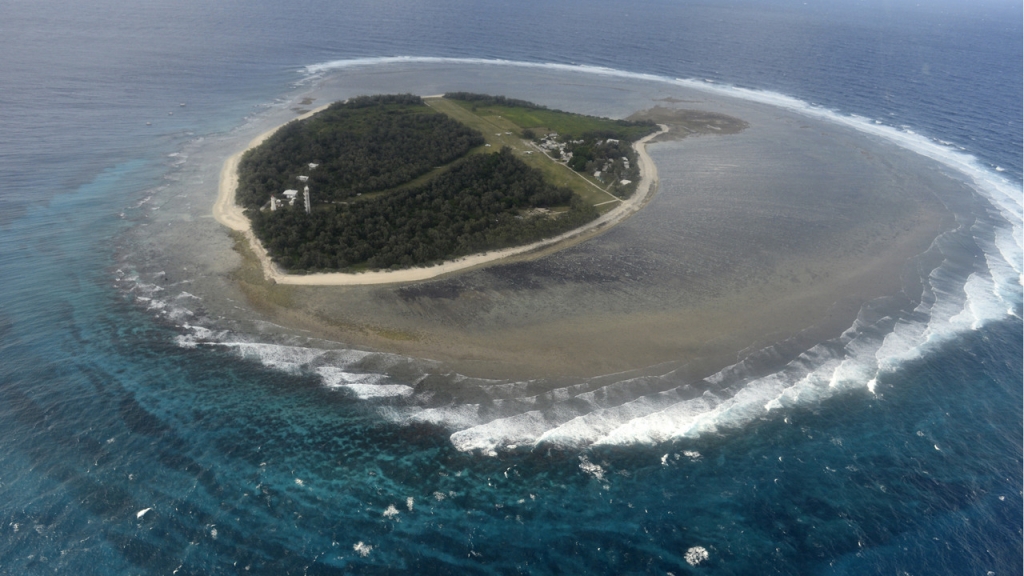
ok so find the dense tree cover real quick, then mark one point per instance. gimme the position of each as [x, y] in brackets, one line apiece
[540, 119]
[482, 202]
[610, 161]
[488, 100]
[365, 144]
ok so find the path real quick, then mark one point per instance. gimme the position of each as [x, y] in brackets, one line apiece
[230, 214]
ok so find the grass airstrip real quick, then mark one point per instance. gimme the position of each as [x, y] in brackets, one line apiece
[504, 125]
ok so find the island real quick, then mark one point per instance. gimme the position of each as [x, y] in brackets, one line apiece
[393, 188]
[767, 230]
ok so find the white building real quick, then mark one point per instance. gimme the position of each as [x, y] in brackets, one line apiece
[290, 195]
[305, 197]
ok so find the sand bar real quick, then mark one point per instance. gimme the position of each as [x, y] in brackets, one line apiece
[230, 214]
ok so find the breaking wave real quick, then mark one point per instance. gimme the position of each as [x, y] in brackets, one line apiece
[975, 277]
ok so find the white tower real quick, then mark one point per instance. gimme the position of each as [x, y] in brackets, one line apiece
[305, 196]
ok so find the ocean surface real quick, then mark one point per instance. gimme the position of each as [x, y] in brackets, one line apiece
[140, 434]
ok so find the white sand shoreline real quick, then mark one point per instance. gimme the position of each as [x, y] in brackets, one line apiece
[228, 213]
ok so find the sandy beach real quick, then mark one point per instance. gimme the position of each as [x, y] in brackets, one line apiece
[778, 233]
[230, 214]
[758, 228]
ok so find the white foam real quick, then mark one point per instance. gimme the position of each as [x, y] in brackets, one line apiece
[696, 555]
[663, 425]
[367, 391]
[585, 429]
[286, 358]
[982, 303]
[958, 297]
[814, 376]
[185, 341]
[1005, 195]
[519, 429]
[591, 469]
[451, 417]
[334, 376]
[332, 366]
[1006, 272]
[364, 385]
[819, 373]
[362, 549]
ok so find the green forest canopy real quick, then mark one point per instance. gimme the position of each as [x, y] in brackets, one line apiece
[437, 191]
[361, 145]
[483, 202]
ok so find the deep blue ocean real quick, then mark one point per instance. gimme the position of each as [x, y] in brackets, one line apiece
[124, 452]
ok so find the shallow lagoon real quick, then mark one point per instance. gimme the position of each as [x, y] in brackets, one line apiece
[258, 458]
[896, 447]
[790, 262]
